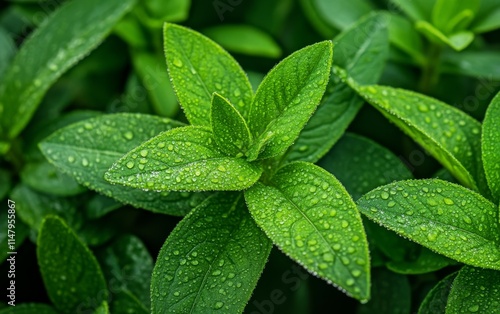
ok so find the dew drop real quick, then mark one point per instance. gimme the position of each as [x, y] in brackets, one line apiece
[474, 308]
[128, 135]
[178, 63]
[71, 159]
[144, 153]
[219, 305]
[423, 108]
[85, 162]
[384, 195]
[130, 164]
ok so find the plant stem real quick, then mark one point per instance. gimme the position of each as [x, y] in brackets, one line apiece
[430, 72]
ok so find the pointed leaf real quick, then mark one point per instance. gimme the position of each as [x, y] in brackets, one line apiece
[88, 148]
[475, 290]
[436, 300]
[447, 218]
[127, 264]
[196, 76]
[450, 135]
[69, 270]
[287, 97]
[230, 129]
[310, 216]
[363, 54]
[211, 261]
[491, 146]
[458, 41]
[446, 13]
[102, 309]
[183, 159]
[68, 35]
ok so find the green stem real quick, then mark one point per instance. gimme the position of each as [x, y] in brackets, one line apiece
[430, 72]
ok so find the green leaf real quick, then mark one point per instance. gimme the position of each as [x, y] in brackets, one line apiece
[7, 50]
[196, 76]
[183, 159]
[99, 205]
[153, 74]
[211, 261]
[88, 148]
[447, 218]
[342, 14]
[286, 99]
[417, 9]
[69, 270]
[436, 300]
[490, 143]
[244, 39]
[6, 183]
[127, 264]
[46, 178]
[453, 16]
[458, 41]
[230, 130]
[310, 216]
[484, 65]
[362, 165]
[172, 10]
[317, 20]
[427, 261]
[474, 290]
[29, 308]
[32, 207]
[403, 35]
[448, 134]
[68, 35]
[489, 20]
[102, 309]
[363, 54]
[391, 294]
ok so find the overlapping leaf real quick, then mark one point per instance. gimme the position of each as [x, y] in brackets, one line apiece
[196, 76]
[211, 261]
[491, 146]
[310, 216]
[87, 149]
[67, 36]
[447, 218]
[286, 99]
[361, 50]
[69, 270]
[183, 159]
[436, 300]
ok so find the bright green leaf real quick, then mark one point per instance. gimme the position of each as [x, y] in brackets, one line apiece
[244, 39]
[447, 218]
[450, 135]
[310, 216]
[46, 178]
[172, 10]
[453, 16]
[183, 159]
[127, 264]
[342, 14]
[391, 294]
[458, 41]
[211, 261]
[287, 97]
[153, 74]
[29, 308]
[69, 270]
[317, 20]
[68, 35]
[491, 146]
[436, 300]
[363, 53]
[362, 165]
[88, 148]
[196, 76]
[474, 290]
[130, 30]
[102, 309]
[403, 35]
[489, 21]
[230, 130]
[416, 9]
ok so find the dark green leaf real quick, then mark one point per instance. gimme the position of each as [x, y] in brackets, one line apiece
[99, 205]
[342, 14]
[46, 178]
[67, 36]
[69, 270]
[491, 146]
[88, 148]
[230, 130]
[6, 183]
[312, 218]
[196, 76]
[427, 261]
[447, 218]
[449, 134]
[212, 260]
[475, 290]
[286, 99]
[362, 50]
[183, 159]
[484, 65]
[391, 294]
[29, 308]
[416, 9]
[436, 300]
[171, 11]
[128, 266]
[244, 39]
[403, 35]
[7, 50]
